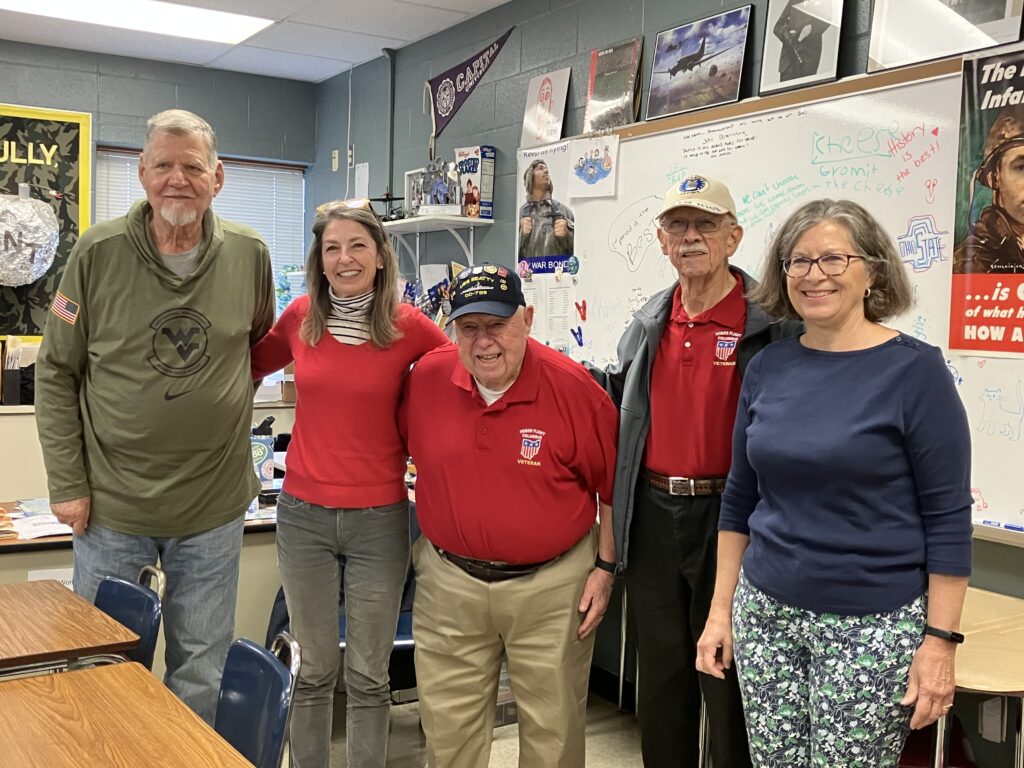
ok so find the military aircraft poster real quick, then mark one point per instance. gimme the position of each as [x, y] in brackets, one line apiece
[698, 64]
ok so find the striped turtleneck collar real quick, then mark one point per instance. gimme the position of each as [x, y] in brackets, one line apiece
[349, 318]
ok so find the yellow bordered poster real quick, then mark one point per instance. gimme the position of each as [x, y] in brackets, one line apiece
[49, 150]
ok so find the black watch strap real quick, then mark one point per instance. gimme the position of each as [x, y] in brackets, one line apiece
[945, 634]
[604, 565]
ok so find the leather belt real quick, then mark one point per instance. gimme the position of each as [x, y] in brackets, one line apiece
[491, 570]
[686, 486]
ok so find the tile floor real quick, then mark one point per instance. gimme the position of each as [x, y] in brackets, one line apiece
[613, 739]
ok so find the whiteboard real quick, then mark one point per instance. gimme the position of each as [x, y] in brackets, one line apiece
[892, 149]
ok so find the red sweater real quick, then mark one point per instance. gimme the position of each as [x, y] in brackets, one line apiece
[345, 451]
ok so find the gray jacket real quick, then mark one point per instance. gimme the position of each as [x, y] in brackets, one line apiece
[629, 384]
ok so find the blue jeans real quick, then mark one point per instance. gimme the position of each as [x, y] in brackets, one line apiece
[198, 609]
[363, 553]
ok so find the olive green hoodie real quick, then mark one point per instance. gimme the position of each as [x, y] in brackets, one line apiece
[143, 388]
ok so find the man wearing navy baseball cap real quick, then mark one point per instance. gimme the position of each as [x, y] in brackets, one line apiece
[512, 443]
[677, 383]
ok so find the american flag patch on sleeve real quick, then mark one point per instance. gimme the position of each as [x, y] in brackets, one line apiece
[64, 308]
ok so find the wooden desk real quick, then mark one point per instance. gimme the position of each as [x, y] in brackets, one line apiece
[44, 621]
[991, 660]
[116, 716]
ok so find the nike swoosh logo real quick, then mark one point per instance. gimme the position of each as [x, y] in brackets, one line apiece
[169, 396]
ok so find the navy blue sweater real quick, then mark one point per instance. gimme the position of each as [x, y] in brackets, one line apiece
[851, 474]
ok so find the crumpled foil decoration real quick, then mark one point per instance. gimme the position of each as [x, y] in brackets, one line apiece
[29, 234]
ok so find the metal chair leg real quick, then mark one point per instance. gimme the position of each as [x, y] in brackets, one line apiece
[704, 760]
[622, 648]
[940, 754]
[1018, 761]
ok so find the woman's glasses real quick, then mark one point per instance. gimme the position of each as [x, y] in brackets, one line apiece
[830, 264]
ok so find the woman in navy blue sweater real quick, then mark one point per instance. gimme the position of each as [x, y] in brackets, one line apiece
[847, 506]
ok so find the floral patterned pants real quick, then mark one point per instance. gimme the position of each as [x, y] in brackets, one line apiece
[821, 689]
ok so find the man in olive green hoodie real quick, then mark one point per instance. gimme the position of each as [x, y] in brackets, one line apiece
[144, 397]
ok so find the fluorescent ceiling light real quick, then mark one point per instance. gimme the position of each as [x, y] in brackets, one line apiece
[149, 16]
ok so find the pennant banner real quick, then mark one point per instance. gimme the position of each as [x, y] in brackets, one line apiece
[449, 90]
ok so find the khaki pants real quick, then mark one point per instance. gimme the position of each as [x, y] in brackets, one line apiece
[462, 625]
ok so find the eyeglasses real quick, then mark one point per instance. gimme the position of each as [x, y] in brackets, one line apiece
[354, 203]
[703, 225]
[830, 264]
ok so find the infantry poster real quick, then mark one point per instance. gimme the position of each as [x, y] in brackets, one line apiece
[45, 187]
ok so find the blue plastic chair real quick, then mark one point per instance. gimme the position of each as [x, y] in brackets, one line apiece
[255, 699]
[137, 607]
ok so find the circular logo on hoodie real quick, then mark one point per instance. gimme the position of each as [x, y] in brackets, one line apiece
[179, 342]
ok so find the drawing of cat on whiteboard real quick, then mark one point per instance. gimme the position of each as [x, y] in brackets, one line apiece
[996, 418]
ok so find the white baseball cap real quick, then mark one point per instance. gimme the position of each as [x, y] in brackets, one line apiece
[701, 192]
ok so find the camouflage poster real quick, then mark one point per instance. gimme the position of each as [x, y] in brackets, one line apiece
[51, 152]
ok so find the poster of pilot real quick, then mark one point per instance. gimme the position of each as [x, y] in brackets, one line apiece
[698, 64]
[546, 226]
[801, 43]
[987, 284]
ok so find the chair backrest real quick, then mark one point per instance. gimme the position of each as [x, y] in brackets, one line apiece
[136, 607]
[255, 700]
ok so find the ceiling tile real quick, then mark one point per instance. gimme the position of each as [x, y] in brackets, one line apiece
[263, 9]
[260, 61]
[385, 18]
[468, 7]
[27, 28]
[312, 40]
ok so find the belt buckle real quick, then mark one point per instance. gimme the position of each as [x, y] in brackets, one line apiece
[688, 485]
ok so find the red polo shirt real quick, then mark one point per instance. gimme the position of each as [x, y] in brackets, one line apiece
[514, 481]
[695, 388]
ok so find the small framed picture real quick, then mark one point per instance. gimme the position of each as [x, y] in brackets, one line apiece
[801, 43]
[698, 64]
[908, 33]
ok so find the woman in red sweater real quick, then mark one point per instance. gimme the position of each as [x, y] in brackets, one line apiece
[342, 517]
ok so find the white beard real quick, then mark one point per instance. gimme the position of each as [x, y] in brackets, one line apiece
[177, 215]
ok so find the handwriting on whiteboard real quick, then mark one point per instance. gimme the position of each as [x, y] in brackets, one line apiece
[633, 231]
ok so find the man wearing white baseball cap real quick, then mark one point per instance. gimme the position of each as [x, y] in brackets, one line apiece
[677, 384]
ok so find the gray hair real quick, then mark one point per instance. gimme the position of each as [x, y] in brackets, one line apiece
[180, 122]
[383, 330]
[891, 293]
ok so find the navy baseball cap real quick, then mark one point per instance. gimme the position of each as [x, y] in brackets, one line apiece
[489, 289]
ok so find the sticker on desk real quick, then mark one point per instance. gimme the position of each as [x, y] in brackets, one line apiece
[63, 575]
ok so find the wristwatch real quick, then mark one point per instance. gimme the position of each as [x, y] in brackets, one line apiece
[944, 634]
[604, 565]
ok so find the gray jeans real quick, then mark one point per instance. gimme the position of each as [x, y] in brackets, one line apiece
[364, 554]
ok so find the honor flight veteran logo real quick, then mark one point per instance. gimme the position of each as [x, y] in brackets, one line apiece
[179, 342]
[530, 446]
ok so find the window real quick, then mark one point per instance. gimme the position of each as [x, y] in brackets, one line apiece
[270, 199]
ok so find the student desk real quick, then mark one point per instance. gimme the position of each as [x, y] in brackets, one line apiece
[44, 621]
[991, 660]
[116, 716]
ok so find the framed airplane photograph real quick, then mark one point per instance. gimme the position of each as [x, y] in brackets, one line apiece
[698, 64]
[908, 33]
[801, 43]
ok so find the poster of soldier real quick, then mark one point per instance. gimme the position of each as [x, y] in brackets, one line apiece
[45, 188]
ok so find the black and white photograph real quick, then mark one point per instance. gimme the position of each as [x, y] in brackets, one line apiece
[698, 64]
[801, 43]
[905, 32]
